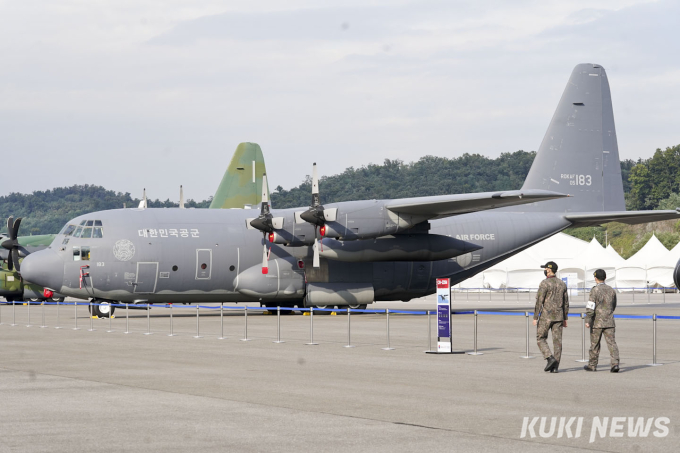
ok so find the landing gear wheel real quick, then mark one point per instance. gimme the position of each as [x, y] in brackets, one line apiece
[358, 306]
[56, 299]
[324, 307]
[286, 309]
[102, 309]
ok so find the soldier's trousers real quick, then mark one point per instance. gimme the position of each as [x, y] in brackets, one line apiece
[595, 338]
[545, 325]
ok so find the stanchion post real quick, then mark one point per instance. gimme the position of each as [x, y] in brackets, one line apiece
[57, 327]
[429, 332]
[172, 333]
[43, 314]
[583, 339]
[148, 319]
[28, 323]
[311, 327]
[475, 339]
[654, 342]
[198, 334]
[110, 316]
[91, 329]
[278, 326]
[14, 314]
[75, 317]
[387, 317]
[527, 356]
[221, 321]
[349, 329]
[127, 318]
[245, 324]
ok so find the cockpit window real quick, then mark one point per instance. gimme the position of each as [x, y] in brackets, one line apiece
[87, 233]
[98, 232]
[68, 230]
[97, 223]
[90, 223]
[83, 222]
[79, 230]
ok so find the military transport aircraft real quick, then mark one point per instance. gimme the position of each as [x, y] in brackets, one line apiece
[238, 189]
[351, 253]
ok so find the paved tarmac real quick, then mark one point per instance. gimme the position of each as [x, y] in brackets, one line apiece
[76, 390]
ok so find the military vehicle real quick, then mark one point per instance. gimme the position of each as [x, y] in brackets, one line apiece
[239, 188]
[351, 253]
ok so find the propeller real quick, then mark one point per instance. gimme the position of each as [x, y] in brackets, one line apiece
[264, 223]
[315, 215]
[12, 244]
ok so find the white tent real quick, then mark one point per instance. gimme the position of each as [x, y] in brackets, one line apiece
[646, 268]
[613, 252]
[594, 257]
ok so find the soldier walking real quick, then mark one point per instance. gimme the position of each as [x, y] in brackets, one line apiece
[550, 314]
[600, 318]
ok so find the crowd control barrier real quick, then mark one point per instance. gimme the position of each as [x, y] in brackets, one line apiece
[348, 311]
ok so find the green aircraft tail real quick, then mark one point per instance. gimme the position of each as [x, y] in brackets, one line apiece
[242, 182]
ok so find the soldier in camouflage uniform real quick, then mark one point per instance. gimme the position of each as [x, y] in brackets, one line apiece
[550, 314]
[600, 318]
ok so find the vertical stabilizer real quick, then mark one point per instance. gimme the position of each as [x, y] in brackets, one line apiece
[579, 154]
[242, 182]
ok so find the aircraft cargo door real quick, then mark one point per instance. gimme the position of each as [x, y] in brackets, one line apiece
[146, 277]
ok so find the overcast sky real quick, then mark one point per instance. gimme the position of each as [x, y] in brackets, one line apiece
[156, 93]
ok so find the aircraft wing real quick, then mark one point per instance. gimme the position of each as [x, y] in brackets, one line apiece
[630, 217]
[450, 205]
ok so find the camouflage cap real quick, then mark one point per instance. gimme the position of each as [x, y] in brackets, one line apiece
[550, 265]
[600, 274]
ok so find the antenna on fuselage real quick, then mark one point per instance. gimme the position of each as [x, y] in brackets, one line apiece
[143, 204]
[181, 197]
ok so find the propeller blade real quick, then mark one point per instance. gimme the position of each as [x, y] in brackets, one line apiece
[265, 264]
[23, 252]
[17, 223]
[315, 187]
[10, 262]
[15, 259]
[315, 262]
[10, 226]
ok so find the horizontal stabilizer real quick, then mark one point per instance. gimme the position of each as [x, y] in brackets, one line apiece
[450, 205]
[628, 217]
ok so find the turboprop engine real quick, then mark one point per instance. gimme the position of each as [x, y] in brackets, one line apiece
[676, 274]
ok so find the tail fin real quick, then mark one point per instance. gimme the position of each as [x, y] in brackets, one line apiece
[242, 182]
[579, 154]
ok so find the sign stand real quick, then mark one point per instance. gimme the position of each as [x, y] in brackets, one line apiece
[444, 337]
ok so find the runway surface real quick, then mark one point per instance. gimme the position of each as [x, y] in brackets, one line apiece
[79, 390]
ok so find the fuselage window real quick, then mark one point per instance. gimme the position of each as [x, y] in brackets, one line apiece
[98, 232]
[79, 230]
[76, 253]
[87, 232]
[85, 253]
[69, 230]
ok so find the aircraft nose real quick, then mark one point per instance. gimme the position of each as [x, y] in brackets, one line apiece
[44, 268]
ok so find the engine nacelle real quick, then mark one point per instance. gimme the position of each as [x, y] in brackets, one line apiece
[340, 294]
[415, 247]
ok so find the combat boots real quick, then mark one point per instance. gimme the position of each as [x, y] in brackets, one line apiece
[551, 363]
[588, 368]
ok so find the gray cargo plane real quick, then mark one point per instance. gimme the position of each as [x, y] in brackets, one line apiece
[351, 253]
